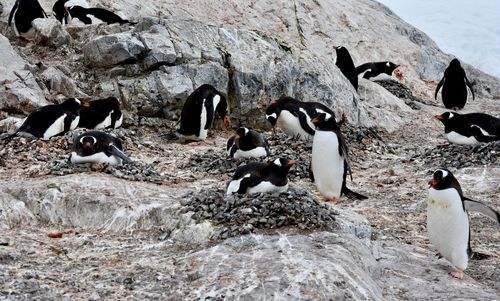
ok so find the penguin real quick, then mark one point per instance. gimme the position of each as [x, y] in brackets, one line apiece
[101, 114]
[51, 120]
[346, 65]
[470, 128]
[294, 116]
[329, 163]
[61, 7]
[454, 83]
[22, 13]
[257, 177]
[448, 221]
[247, 143]
[199, 112]
[95, 15]
[98, 147]
[379, 71]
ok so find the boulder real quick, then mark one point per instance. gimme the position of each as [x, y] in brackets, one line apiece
[112, 49]
[50, 32]
[58, 83]
[160, 48]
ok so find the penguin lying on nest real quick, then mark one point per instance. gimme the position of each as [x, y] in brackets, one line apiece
[98, 147]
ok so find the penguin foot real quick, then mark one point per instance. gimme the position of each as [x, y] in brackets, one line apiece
[458, 273]
[332, 201]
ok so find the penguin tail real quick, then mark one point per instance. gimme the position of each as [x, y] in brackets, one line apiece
[352, 195]
[479, 256]
[117, 152]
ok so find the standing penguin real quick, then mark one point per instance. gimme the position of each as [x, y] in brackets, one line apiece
[198, 113]
[257, 177]
[23, 12]
[247, 143]
[101, 114]
[51, 120]
[454, 83]
[379, 71]
[346, 65]
[294, 116]
[329, 163]
[98, 147]
[448, 220]
[470, 128]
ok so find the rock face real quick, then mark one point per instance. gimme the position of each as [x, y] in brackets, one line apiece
[50, 32]
[19, 92]
[112, 49]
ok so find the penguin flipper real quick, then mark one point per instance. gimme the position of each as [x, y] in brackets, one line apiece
[248, 182]
[468, 83]
[440, 84]
[480, 136]
[117, 152]
[305, 126]
[11, 15]
[471, 205]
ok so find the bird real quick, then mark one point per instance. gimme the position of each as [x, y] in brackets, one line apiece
[344, 62]
[379, 70]
[101, 114]
[247, 143]
[470, 129]
[198, 114]
[95, 15]
[98, 147]
[448, 220]
[51, 120]
[294, 116]
[257, 177]
[329, 162]
[61, 7]
[454, 83]
[23, 13]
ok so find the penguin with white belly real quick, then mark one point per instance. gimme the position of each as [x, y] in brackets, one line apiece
[198, 114]
[51, 120]
[98, 147]
[22, 14]
[329, 163]
[448, 220]
[470, 128]
[247, 143]
[257, 177]
[294, 116]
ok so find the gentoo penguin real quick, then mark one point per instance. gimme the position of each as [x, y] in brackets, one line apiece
[257, 177]
[198, 113]
[294, 116]
[379, 71]
[470, 128]
[329, 163]
[454, 83]
[101, 114]
[23, 12]
[95, 15]
[51, 120]
[98, 147]
[346, 65]
[448, 220]
[247, 143]
[61, 7]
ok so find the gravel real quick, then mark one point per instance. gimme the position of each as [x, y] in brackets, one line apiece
[242, 214]
[460, 156]
[403, 92]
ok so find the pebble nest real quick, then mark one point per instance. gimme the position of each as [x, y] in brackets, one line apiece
[402, 92]
[241, 214]
[460, 156]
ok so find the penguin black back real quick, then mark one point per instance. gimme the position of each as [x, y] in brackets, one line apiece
[346, 65]
[372, 70]
[101, 113]
[454, 86]
[23, 12]
[102, 14]
[483, 127]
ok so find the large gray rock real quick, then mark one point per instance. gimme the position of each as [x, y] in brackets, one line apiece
[19, 92]
[112, 49]
[160, 48]
[50, 32]
[58, 82]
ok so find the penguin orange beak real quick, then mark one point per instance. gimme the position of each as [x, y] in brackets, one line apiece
[439, 117]
[226, 121]
[315, 121]
[85, 104]
[433, 183]
[291, 163]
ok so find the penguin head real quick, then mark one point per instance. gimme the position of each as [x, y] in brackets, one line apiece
[242, 132]
[272, 112]
[88, 145]
[72, 105]
[455, 63]
[325, 122]
[391, 67]
[447, 117]
[282, 165]
[443, 179]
